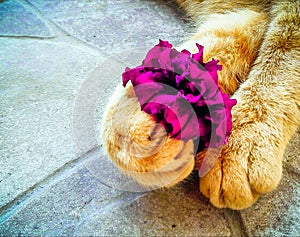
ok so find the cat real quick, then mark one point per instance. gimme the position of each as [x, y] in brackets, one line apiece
[258, 45]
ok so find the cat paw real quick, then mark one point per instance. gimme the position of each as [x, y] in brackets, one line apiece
[140, 147]
[249, 165]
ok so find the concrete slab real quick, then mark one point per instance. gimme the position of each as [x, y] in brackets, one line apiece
[275, 214]
[39, 81]
[101, 23]
[76, 203]
[17, 20]
[160, 213]
[57, 208]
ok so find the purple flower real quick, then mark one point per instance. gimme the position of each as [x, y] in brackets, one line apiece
[181, 92]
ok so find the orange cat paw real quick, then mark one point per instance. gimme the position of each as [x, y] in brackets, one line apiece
[249, 165]
[140, 147]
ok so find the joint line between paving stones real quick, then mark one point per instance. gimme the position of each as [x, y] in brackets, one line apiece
[56, 28]
[107, 207]
[22, 199]
[27, 37]
[62, 32]
[52, 25]
[26, 4]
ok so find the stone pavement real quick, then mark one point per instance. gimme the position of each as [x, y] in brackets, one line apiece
[54, 178]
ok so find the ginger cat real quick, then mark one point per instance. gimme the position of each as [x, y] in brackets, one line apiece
[258, 44]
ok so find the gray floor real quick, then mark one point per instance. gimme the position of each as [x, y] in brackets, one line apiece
[59, 61]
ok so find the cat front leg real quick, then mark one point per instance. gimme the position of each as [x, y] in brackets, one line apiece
[266, 116]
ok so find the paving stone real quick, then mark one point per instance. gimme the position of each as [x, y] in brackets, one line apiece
[17, 20]
[39, 82]
[275, 214]
[168, 212]
[77, 203]
[102, 23]
[292, 153]
[57, 208]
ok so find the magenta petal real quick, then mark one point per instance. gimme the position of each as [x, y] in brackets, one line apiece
[199, 56]
[186, 52]
[179, 79]
[192, 98]
[212, 67]
[164, 44]
[181, 63]
[154, 108]
[131, 74]
[159, 55]
[172, 119]
[180, 115]
[145, 92]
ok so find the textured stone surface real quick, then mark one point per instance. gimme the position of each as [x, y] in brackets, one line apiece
[275, 214]
[292, 153]
[78, 203]
[58, 208]
[168, 212]
[16, 20]
[38, 82]
[102, 22]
